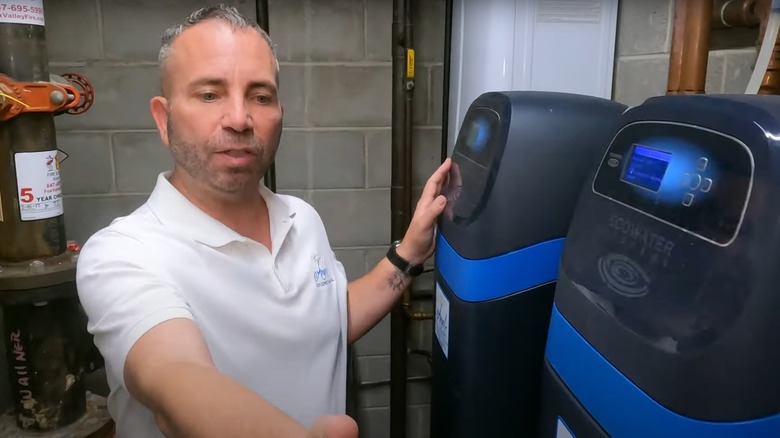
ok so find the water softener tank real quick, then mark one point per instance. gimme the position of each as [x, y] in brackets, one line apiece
[518, 165]
[665, 322]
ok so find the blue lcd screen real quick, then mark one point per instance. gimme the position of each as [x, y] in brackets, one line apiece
[647, 167]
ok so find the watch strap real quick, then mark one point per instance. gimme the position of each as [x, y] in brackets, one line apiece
[402, 264]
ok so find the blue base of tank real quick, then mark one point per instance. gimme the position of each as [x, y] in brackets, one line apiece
[496, 277]
[618, 406]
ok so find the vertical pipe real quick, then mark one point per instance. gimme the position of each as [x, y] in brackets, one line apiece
[261, 16]
[23, 57]
[43, 327]
[445, 110]
[677, 46]
[399, 217]
[697, 46]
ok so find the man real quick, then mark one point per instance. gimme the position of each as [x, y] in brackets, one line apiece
[219, 306]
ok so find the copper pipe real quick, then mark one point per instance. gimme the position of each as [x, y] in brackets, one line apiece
[697, 46]
[690, 47]
[771, 82]
[415, 316]
[676, 55]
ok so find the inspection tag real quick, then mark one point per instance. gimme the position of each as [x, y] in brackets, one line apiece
[39, 185]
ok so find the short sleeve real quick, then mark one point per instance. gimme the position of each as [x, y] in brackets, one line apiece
[124, 295]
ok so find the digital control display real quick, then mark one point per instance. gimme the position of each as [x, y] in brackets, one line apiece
[477, 153]
[692, 178]
[476, 135]
[647, 167]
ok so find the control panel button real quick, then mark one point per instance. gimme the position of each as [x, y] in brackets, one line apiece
[686, 180]
[701, 165]
[706, 185]
[687, 199]
[695, 182]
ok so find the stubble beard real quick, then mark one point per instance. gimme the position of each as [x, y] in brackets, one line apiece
[193, 159]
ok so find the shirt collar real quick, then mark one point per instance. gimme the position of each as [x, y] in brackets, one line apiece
[174, 210]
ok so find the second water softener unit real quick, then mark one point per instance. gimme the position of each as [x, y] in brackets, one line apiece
[665, 321]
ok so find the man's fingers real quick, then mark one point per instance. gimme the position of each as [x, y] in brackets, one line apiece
[334, 426]
[432, 211]
[435, 183]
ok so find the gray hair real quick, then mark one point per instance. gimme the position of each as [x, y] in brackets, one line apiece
[222, 12]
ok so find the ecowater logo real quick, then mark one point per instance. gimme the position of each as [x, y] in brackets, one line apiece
[623, 275]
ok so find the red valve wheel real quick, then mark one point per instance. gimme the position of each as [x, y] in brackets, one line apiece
[85, 88]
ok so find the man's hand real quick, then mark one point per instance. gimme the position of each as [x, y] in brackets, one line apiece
[418, 242]
[334, 426]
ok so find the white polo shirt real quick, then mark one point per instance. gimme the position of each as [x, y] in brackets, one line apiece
[274, 321]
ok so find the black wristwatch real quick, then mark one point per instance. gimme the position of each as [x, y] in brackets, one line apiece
[403, 265]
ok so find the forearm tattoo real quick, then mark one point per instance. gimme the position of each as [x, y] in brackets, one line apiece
[397, 281]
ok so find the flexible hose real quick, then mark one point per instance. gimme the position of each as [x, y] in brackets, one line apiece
[767, 46]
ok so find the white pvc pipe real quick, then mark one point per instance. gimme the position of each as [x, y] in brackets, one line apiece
[767, 46]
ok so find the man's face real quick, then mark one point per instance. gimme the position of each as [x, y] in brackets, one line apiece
[224, 115]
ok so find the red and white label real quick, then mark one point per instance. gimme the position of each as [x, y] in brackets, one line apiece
[22, 12]
[40, 188]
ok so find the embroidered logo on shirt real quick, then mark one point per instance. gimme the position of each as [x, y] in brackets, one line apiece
[322, 276]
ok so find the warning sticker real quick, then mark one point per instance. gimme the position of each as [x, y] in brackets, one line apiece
[22, 12]
[40, 189]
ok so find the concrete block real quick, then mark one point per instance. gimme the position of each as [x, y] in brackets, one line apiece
[436, 86]
[133, 28]
[139, 157]
[338, 160]
[643, 27]
[715, 73]
[336, 30]
[429, 31]
[636, 79]
[287, 27]
[426, 155]
[85, 215]
[300, 194]
[350, 96]
[374, 422]
[88, 169]
[293, 160]
[353, 260]
[71, 30]
[379, 154]
[121, 98]
[738, 70]
[375, 372]
[379, 24]
[292, 92]
[376, 341]
[355, 217]
[374, 256]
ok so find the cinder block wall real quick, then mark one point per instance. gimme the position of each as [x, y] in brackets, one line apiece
[335, 152]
